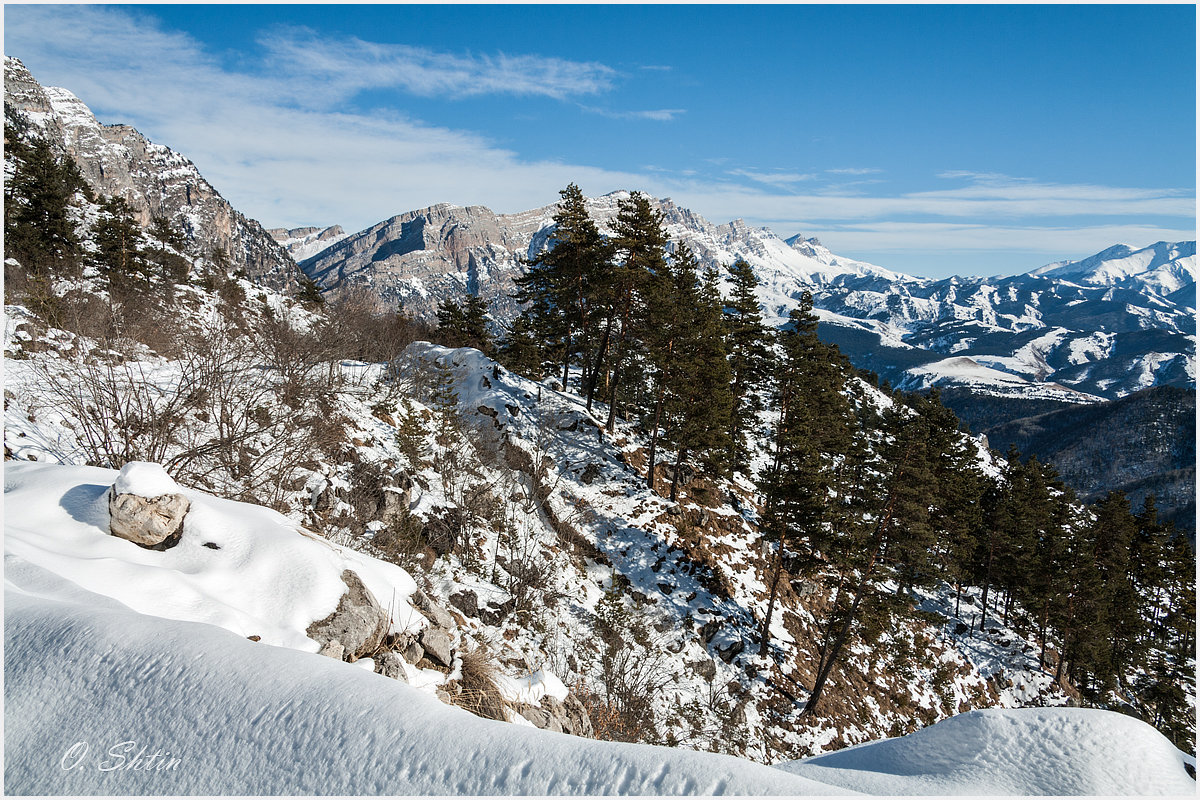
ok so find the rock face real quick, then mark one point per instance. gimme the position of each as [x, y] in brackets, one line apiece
[118, 161]
[358, 624]
[155, 523]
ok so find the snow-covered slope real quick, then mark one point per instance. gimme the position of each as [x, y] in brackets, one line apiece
[1058, 751]
[1162, 268]
[100, 699]
[110, 689]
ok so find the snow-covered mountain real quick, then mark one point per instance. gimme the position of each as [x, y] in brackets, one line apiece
[116, 160]
[1120, 321]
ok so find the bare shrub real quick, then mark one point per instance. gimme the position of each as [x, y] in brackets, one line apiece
[212, 417]
[476, 690]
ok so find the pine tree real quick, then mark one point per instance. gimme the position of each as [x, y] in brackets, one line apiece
[465, 325]
[410, 436]
[522, 350]
[749, 345]
[309, 293]
[814, 422]
[700, 400]
[166, 256]
[39, 227]
[640, 243]
[120, 254]
[563, 283]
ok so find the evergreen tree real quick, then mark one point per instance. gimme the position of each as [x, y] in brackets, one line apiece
[563, 283]
[815, 421]
[309, 293]
[749, 345]
[120, 253]
[522, 350]
[465, 325]
[640, 243]
[700, 400]
[165, 255]
[39, 219]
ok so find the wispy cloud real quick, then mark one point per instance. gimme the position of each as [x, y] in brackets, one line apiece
[288, 152]
[655, 115]
[782, 179]
[352, 64]
[854, 171]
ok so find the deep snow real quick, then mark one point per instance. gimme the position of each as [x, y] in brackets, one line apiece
[106, 694]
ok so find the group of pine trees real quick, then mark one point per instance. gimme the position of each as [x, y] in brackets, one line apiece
[874, 503]
[47, 238]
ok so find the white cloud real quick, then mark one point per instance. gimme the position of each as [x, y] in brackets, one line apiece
[782, 179]
[346, 66]
[278, 147]
[656, 115]
[854, 171]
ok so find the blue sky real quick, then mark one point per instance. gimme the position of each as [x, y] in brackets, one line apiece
[928, 139]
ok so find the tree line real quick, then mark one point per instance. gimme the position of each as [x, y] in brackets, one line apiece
[872, 502]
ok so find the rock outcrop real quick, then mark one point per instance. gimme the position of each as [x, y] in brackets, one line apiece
[155, 523]
[146, 507]
[358, 624]
[118, 161]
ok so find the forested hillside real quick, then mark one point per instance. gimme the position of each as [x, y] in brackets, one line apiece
[1141, 445]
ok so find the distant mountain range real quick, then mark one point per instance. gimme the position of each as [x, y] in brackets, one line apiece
[1075, 332]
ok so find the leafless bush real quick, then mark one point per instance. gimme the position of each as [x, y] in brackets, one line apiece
[477, 690]
[213, 416]
[632, 670]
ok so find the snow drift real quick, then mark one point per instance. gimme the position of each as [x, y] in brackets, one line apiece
[129, 671]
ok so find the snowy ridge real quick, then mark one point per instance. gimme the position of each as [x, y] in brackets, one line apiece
[1129, 326]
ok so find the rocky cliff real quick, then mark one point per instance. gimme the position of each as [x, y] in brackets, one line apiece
[116, 160]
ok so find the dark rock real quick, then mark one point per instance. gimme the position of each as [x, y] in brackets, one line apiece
[730, 651]
[960, 628]
[432, 611]
[590, 473]
[391, 665]
[436, 643]
[513, 410]
[465, 601]
[412, 652]
[211, 545]
[709, 630]
[488, 411]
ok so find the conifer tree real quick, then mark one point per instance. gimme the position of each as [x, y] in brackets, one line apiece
[39, 228]
[749, 345]
[814, 420]
[465, 325]
[700, 401]
[120, 254]
[564, 282]
[640, 243]
[165, 255]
